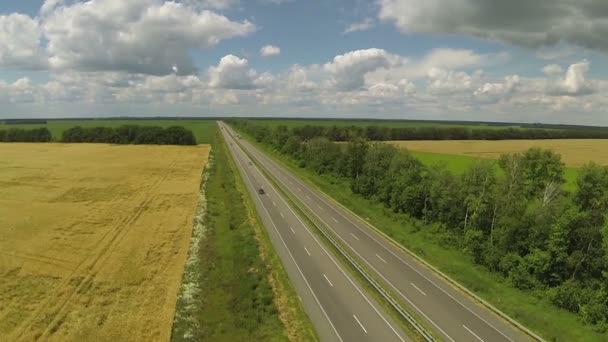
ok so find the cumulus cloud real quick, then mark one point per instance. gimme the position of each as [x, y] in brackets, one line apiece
[20, 42]
[552, 69]
[270, 51]
[441, 81]
[574, 82]
[505, 88]
[234, 73]
[138, 36]
[349, 70]
[364, 25]
[527, 23]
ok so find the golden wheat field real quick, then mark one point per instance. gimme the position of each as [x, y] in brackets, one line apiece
[93, 239]
[575, 153]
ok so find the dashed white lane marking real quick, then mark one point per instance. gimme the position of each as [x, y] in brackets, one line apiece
[472, 333]
[299, 189]
[379, 257]
[293, 231]
[318, 206]
[355, 236]
[332, 285]
[283, 216]
[307, 252]
[419, 290]
[273, 203]
[361, 325]
[308, 197]
[333, 218]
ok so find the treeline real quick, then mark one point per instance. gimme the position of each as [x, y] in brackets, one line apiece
[139, 135]
[386, 133]
[25, 122]
[518, 223]
[25, 135]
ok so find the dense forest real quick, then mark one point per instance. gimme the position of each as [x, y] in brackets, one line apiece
[152, 135]
[518, 223]
[386, 133]
[25, 135]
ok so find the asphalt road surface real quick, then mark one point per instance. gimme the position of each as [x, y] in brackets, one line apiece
[336, 303]
[452, 314]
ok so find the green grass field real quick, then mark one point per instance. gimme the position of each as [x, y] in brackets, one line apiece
[202, 129]
[458, 164]
[290, 123]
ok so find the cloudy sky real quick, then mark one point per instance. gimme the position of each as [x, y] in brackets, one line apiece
[491, 60]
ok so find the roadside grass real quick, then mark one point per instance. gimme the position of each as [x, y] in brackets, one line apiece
[202, 129]
[458, 164]
[235, 289]
[533, 311]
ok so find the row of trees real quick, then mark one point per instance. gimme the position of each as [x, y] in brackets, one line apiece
[385, 133]
[175, 135]
[518, 222]
[25, 135]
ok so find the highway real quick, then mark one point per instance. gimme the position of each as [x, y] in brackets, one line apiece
[453, 315]
[338, 306]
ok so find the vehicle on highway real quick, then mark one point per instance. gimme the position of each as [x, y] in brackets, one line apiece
[261, 191]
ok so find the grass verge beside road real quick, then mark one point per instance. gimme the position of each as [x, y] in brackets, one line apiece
[532, 311]
[235, 288]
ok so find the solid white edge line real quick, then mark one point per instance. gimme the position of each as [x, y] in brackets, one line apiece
[472, 333]
[361, 325]
[332, 285]
[297, 266]
[417, 288]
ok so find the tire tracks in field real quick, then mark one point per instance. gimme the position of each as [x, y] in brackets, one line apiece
[89, 267]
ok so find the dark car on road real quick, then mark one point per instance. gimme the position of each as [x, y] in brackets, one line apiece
[261, 191]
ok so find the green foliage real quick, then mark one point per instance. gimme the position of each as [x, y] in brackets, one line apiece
[235, 301]
[516, 221]
[25, 135]
[139, 135]
[202, 128]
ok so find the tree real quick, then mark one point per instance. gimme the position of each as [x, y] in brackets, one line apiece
[377, 161]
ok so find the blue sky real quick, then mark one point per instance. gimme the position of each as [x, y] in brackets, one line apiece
[436, 59]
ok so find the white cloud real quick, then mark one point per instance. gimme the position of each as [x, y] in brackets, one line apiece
[270, 51]
[349, 70]
[552, 69]
[212, 4]
[574, 82]
[365, 25]
[20, 42]
[137, 36]
[441, 81]
[234, 73]
[505, 88]
[536, 23]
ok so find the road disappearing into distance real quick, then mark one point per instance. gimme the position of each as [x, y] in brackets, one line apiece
[339, 307]
[448, 312]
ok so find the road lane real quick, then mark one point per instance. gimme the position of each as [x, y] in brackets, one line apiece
[338, 307]
[454, 315]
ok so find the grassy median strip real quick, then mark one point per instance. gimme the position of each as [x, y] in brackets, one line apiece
[234, 287]
[533, 311]
[306, 216]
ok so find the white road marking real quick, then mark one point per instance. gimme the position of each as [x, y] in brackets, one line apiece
[353, 235]
[318, 206]
[293, 231]
[332, 285]
[379, 257]
[419, 290]
[333, 218]
[273, 203]
[283, 216]
[308, 197]
[299, 189]
[306, 249]
[472, 333]
[361, 325]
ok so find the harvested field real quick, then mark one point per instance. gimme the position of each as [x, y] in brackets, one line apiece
[93, 239]
[575, 153]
